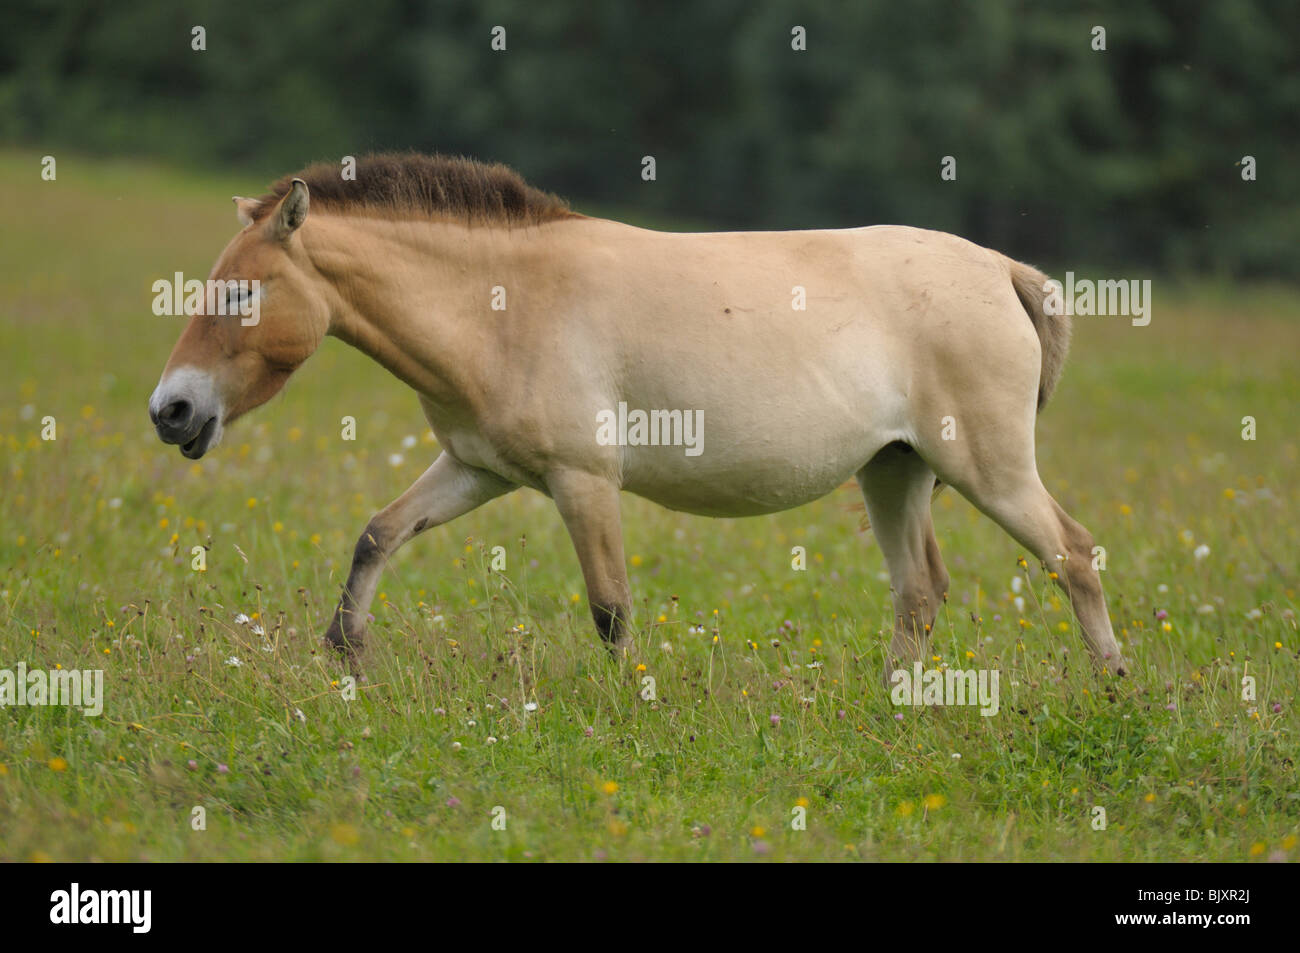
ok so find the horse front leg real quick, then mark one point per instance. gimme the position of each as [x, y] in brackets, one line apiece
[589, 506]
[446, 490]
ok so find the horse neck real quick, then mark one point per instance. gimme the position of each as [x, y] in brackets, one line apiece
[415, 296]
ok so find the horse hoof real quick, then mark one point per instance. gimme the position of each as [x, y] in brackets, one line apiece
[344, 644]
[622, 648]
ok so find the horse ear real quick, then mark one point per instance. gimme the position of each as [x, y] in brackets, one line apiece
[244, 209]
[291, 212]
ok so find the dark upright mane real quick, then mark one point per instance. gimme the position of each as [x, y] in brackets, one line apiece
[410, 184]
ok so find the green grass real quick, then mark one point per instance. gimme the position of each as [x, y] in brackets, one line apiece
[1142, 443]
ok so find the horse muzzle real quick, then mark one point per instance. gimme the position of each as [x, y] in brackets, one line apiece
[186, 410]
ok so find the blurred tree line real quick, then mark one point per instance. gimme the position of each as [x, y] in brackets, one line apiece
[1127, 157]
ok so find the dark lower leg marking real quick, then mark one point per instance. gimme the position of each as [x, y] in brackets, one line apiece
[610, 621]
[347, 631]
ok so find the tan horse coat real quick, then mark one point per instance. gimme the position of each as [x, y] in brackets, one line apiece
[918, 355]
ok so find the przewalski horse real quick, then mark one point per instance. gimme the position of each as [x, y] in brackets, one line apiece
[918, 357]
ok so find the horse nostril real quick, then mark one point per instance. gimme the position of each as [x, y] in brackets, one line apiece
[177, 412]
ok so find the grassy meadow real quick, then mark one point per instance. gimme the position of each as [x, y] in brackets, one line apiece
[488, 696]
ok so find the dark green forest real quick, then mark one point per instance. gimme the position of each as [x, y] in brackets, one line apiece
[1127, 156]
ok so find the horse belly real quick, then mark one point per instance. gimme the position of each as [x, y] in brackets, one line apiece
[786, 421]
[765, 474]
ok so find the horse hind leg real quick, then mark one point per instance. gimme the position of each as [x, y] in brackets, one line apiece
[994, 468]
[897, 486]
